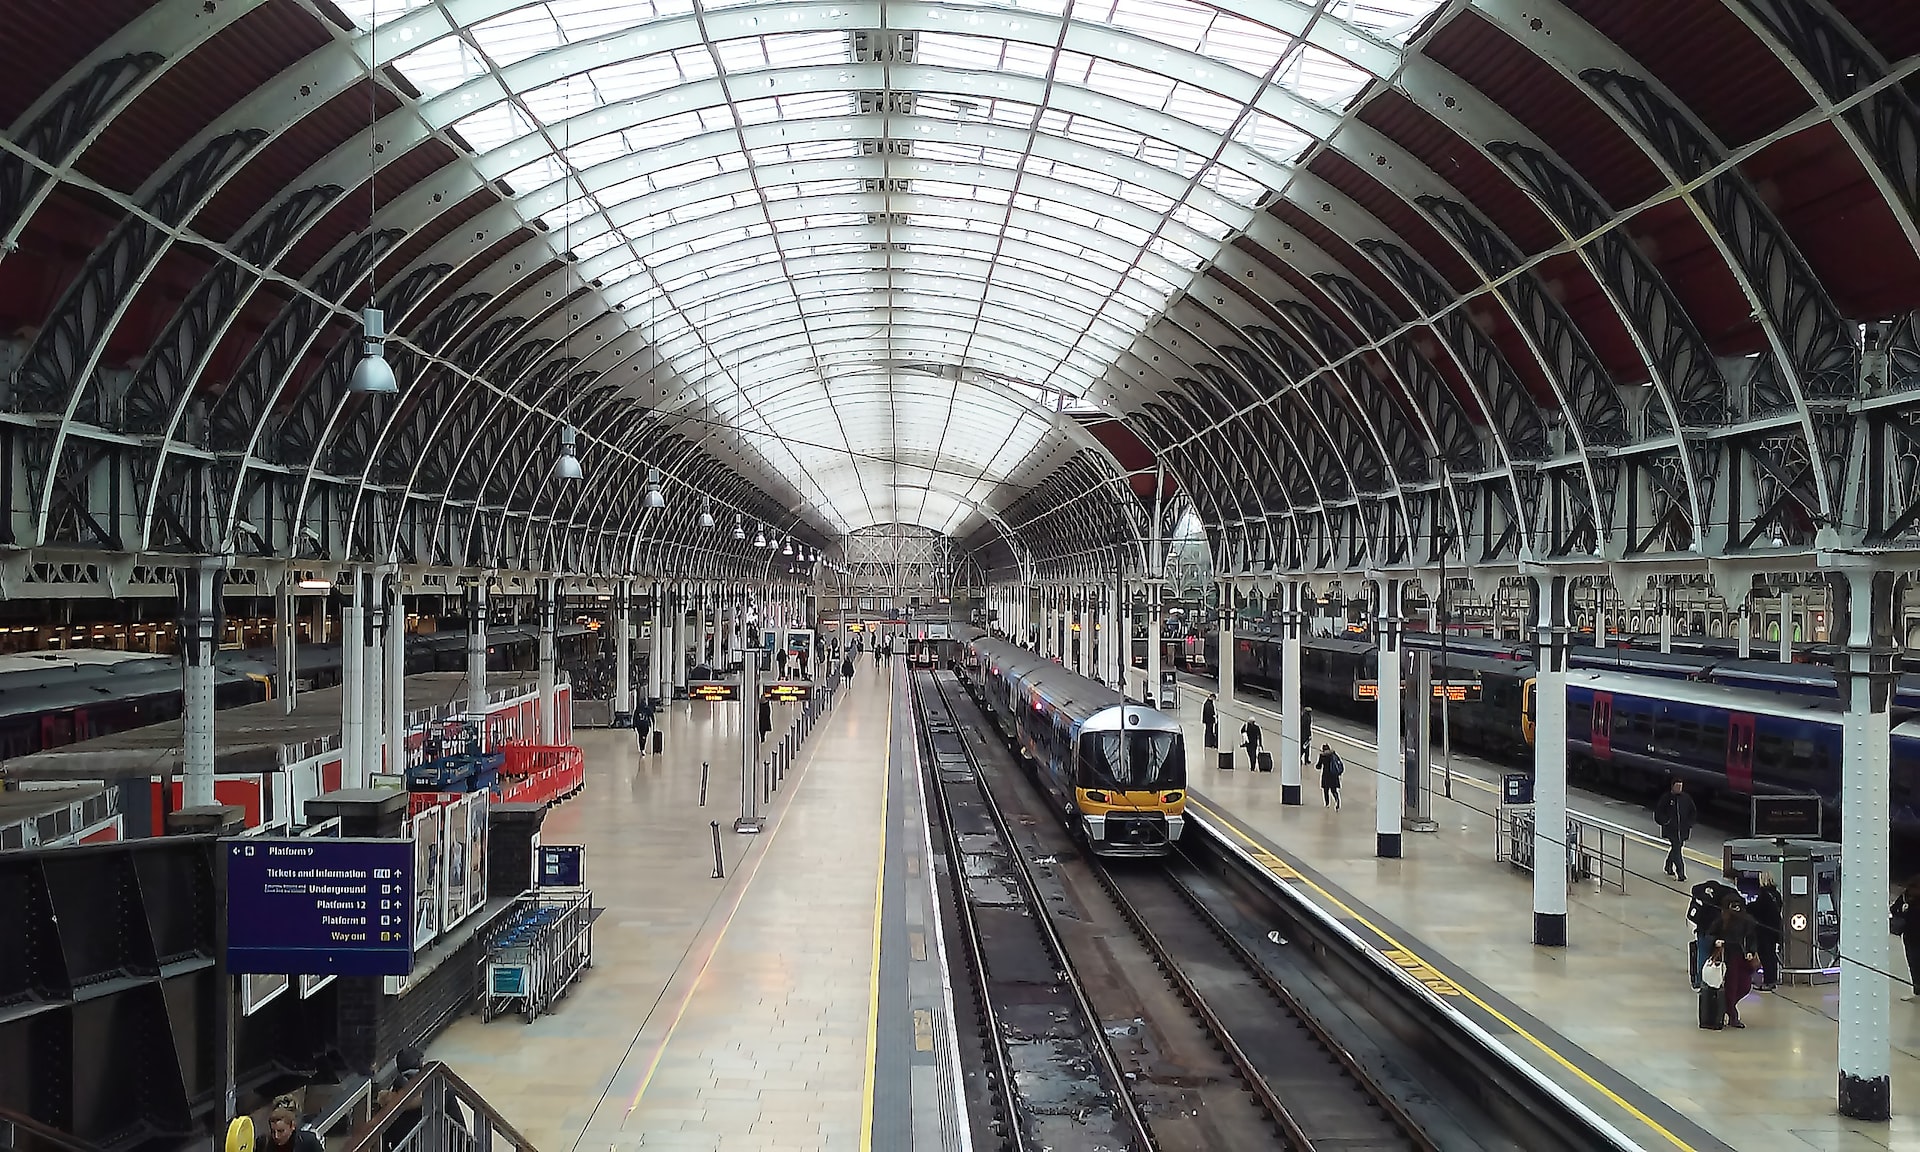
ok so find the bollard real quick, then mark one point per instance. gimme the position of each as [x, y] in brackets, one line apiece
[766, 784]
[703, 783]
[719, 865]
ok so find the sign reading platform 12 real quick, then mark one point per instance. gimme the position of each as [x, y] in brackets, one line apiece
[319, 906]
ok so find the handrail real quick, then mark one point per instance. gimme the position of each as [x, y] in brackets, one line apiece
[39, 1136]
[427, 1093]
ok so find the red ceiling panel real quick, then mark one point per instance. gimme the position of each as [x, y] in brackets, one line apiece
[1560, 112]
[179, 271]
[1821, 194]
[1704, 55]
[1487, 314]
[1411, 228]
[450, 287]
[46, 40]
[53, 249]
[451, 217]
[277, 168]
[1891, 26]
[1680, 248]
[1362, 269]
[1483, 183]
[349, 216]
[196, 91]
[1567, 280]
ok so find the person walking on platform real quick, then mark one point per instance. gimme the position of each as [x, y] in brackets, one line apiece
[1904, 920]
[846, 669]
[1331, 770]
[1675, 813]
[643, 721]
[1766, 915]
[1740, 936]
[1250, 738]
[1210, 720]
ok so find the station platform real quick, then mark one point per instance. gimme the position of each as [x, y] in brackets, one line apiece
[794, 1004]
[1610, 1017]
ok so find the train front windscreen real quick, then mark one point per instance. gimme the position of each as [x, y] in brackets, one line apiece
[1133, 761]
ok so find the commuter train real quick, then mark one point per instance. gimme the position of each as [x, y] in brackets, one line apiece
[1635, 719]
[1117, 772]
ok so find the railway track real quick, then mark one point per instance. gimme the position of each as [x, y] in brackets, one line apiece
[1213, 1050]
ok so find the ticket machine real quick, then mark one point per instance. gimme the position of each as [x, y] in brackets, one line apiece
[1808, 873]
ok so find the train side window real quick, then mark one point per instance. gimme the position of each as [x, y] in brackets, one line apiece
[1580, 717]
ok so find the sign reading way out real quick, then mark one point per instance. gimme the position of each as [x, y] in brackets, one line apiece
[319, 906]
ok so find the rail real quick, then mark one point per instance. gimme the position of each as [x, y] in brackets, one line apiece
[1596, 848]
[1561, 1120]
[1102, 1051]
[24, 1134]
[439, 1112]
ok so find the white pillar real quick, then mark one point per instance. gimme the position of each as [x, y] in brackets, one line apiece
[1389, 788]
[199, 633]
[1599, 612]
[1666, 619]
[353, 767]
[1864, 606]
[1120, 632]
[1226, 651]
[1292, 622]
[395, 679]
[656, 648]
[1786, 627]
[549, 705]
[1551, 596]
[373, 668]
[1744, 622]
[681, 640]
[286, 642]
[477, 650]
[1156, 628]
[623, 653]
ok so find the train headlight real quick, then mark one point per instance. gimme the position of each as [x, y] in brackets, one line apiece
[1171, 797]
[1096, 797]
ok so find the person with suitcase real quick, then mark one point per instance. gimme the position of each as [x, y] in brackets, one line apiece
[1703, 912]
[1331, 769]
[1713, 978]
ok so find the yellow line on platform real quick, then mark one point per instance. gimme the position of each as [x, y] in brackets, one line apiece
[879, 908]
[1513, 1025]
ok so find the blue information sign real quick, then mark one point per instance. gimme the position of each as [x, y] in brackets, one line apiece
[1516, 788]
[562, 866]
[320, 906]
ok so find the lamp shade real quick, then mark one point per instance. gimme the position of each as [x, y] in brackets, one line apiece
[654, 497]
[567, 466]
[373, 376]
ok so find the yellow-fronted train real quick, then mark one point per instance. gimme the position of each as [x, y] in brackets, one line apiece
[1116, 771]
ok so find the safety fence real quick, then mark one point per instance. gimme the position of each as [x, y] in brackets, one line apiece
[1596, 849]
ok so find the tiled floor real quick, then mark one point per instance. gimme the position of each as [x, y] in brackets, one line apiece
[719, 1014]
[1619, 990]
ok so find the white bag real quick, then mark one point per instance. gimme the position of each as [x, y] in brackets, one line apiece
[1713, 974]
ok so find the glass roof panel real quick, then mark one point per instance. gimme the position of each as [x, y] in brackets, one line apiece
[922, 279]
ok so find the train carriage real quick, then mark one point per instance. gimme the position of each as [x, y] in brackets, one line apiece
[1116, 771]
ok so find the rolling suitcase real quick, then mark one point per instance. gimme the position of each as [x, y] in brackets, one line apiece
[1713, 1007]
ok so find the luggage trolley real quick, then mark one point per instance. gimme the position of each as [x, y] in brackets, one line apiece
[545, 942]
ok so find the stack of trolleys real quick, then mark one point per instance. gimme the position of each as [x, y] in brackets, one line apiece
[543, 943]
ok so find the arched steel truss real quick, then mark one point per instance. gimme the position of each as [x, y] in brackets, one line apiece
[1318, 421]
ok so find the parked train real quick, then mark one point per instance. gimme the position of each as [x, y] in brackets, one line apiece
[1117, 772]
[1636, 719]
[54, 698]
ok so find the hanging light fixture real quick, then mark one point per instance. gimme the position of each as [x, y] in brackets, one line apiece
[759, 538]
[706, 512]
[654, 497]
[373, 376]
[567, 466]
[739, 527]
[787, 549]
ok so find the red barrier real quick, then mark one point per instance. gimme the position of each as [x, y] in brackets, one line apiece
[539, 774]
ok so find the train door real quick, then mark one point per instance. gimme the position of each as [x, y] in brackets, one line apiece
[1601, 731]
[1740, 751]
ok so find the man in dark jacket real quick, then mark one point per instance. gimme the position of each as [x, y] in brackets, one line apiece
[1675, 813]
[1703, 911]
[1210, 720]
[1250, 735]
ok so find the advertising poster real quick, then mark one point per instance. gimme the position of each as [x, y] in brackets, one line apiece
[426, 877]
[455, 836]
[477, 850]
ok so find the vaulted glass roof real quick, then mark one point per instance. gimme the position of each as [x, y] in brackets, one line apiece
[883, 247]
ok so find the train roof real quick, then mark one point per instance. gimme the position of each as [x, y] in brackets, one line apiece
[1059, 686]
[1707, 695]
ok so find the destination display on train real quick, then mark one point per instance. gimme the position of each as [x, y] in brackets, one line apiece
[786, 692]
[319, 906]
[713, 690]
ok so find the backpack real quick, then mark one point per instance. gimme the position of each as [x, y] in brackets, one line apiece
[1339, 766]
[1703, 908]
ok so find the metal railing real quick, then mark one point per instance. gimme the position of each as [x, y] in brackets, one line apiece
[438, 1113]
[1596, 849]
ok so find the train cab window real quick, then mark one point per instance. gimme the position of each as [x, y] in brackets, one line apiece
[1152, 761]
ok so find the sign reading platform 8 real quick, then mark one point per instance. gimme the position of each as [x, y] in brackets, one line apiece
[319, 906]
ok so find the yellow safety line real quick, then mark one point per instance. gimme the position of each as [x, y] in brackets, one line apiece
[1489, 1009]
[713, 949]
[879, 893]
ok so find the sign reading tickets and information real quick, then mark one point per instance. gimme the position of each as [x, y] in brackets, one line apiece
[319, 906]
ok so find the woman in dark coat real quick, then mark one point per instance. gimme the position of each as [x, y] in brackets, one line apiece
[1742, 939]
[1766, 915]
[1907, 910]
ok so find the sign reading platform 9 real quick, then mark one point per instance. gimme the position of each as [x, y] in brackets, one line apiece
[319, 906]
